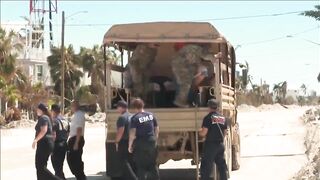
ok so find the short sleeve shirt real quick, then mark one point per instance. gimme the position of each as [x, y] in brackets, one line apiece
[44, 120]
[145, 124]
[216, 125]
[77, 121]
[124, 121]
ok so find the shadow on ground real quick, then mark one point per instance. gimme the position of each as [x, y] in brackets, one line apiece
[177, 174]
[165, 174]
[98, 176]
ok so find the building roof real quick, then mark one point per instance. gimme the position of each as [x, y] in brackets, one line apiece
[199, 32]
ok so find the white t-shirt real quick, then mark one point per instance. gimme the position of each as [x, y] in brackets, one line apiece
[77, 120]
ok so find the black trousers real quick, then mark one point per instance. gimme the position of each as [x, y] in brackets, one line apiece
[126, 161]
[145, 156]
[213, 152]
[74, 158]
[44, 149]
[57, 158]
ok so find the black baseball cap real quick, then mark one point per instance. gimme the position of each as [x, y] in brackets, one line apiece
[122, 104]
[213, 103]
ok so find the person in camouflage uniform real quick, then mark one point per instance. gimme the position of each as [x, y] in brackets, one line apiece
[185, 66]
[142, 58]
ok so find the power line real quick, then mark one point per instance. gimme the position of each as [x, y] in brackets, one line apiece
[279, 38]
[253, 16]
[213, 19]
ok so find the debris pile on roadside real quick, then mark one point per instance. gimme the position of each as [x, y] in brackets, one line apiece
[269, 107]
[96, 118]
[311, 171]
[24, 123]
[263, 107]
[246, 108]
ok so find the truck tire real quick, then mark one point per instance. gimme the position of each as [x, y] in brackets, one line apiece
[236, 150]
[228, 150]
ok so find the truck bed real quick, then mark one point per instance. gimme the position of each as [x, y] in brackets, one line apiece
[169, 119]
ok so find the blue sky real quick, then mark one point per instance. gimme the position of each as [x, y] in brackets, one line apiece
[292, 59]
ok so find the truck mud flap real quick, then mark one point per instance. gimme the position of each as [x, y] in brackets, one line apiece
[113, 167]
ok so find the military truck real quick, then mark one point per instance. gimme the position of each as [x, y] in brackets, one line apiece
[178, 137]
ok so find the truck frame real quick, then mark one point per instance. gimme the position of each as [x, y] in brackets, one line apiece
[178, 137]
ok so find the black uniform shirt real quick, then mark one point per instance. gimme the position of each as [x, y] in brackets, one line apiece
[61, 127]
[213, 121]
[145, 123]
[44, 120]
[124, 121]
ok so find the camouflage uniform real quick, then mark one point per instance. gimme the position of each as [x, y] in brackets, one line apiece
[142, 58]
[184, 66]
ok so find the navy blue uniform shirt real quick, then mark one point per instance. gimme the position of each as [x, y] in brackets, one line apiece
[124, 121]
[145, 124]
[213, 121]
[44, 120]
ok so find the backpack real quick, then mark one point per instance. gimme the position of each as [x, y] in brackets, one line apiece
[62, 132]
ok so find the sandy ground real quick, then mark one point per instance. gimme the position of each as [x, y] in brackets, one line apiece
[271, 148]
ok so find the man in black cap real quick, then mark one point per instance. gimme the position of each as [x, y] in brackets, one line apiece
[61, 130]
[214, 127]
[122, 139]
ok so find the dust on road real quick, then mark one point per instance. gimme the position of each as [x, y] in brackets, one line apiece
[271, 148]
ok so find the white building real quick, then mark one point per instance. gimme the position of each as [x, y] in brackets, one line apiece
[32, 60]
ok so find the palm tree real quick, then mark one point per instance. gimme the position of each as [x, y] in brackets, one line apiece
[93, 63]
[12, 78]
[72, 72]
[9, 47]
[303, 87]
[245, 78]
[11, 94]
[313, 13]
[280, 91]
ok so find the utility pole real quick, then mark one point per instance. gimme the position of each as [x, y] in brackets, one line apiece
[62, 63]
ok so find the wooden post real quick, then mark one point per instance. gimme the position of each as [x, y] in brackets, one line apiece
[122, 84]
[197, 138]
[62, 64]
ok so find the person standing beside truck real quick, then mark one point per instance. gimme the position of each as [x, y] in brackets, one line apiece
[144, 132]
[76, 142]
[122, 140]
[214, 127]
[61, 130]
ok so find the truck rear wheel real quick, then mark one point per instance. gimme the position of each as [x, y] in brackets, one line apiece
[227, 155]
[228, 150]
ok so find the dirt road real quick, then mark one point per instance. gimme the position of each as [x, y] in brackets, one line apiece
[271, 144]
[271, 148]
